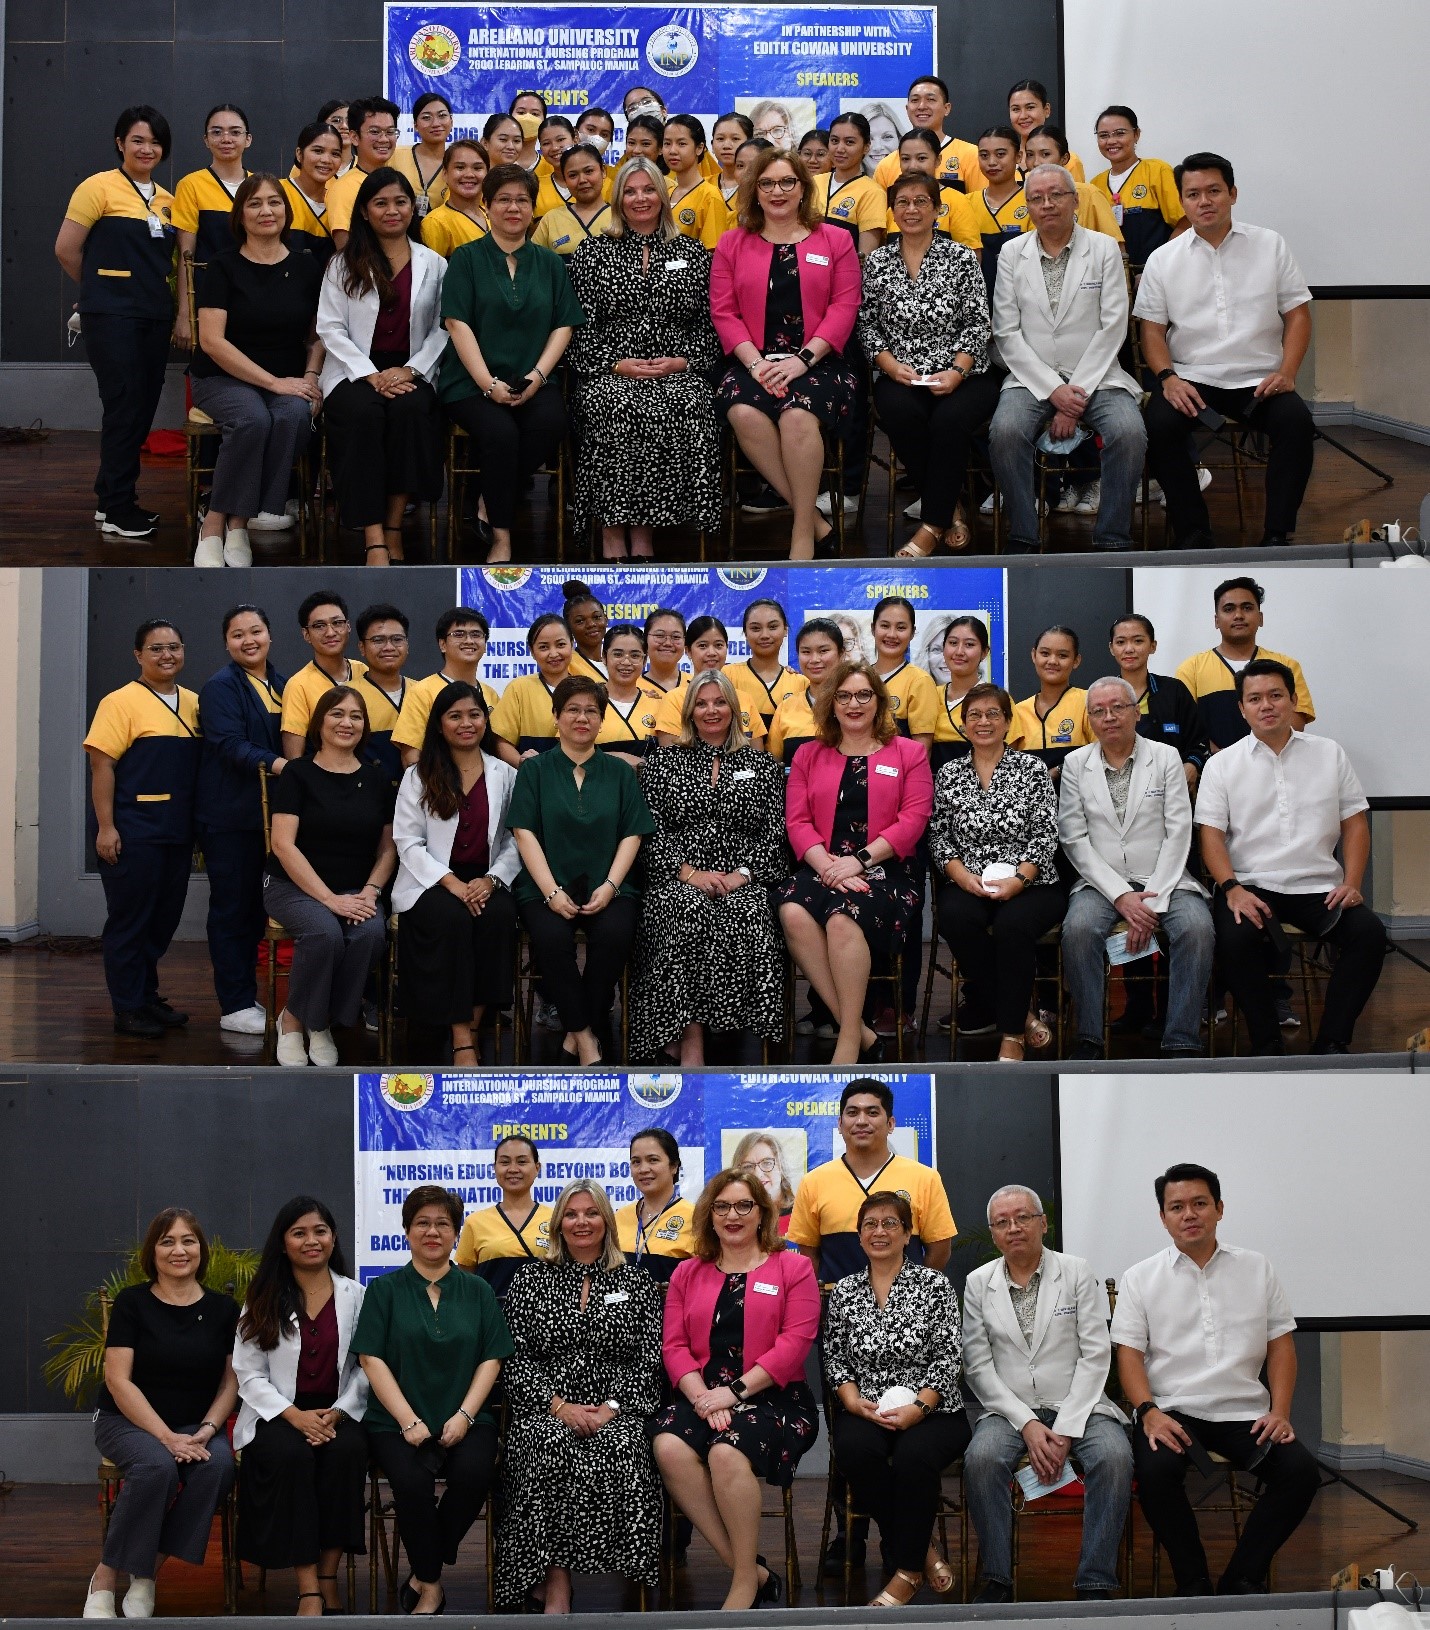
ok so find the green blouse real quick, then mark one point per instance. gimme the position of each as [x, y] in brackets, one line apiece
[512, 318]
[433, 1351]
[579, 828]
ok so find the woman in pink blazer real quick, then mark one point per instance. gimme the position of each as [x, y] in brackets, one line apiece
[856, 804]
[740, 1318]
[784, 293]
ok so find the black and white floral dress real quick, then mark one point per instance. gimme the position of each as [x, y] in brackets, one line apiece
[1011, 821]
[915, 1340]
[589, 1504]
[928, 321]
[648, 448]
[773, 1429]
[716, 962]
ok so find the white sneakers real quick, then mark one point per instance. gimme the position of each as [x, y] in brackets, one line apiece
[245, 1021]
[237, 551]
[268, 522]
[1086, 501]
[915, 511]
[209, 552]
[139, 1599]
[98, 1604]
[825, 505]
[322, 1049]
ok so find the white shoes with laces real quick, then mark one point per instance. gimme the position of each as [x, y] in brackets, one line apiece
[245, 1021]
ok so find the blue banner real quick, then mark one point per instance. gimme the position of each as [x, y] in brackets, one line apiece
[411, 1128]
[513, 597]
[789, 67]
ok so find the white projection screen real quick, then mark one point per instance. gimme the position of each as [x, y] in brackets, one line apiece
[1358, 636]
[1289, 91]
[1324, 1174]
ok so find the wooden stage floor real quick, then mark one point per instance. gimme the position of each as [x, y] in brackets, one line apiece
[47, 509]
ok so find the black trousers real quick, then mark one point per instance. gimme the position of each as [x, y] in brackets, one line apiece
[995, 944]
[433, 1529]
[1288, 1473]
[234, 864]
[512, 444]
[128, 356]
[895, 1477]
[932, 435]
[1246, 953]
[451, 961]
[582, 996]
[380, 446]
[295, 1501]
[1284, 420]
[144, 892]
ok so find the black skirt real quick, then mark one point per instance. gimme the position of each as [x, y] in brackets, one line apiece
[450, 961]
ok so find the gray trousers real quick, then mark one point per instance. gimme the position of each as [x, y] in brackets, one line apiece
[263, 434]
[163, 1509]
[331, 958]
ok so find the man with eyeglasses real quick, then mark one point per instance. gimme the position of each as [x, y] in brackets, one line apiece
[1194, 1328]
[1036, 1351]
[382, 639]
[1125, 822]
[373, 125]
[323, 617]
[462, 636]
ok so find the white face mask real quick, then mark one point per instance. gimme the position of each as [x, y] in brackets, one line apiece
[600, 143]
[651, 106]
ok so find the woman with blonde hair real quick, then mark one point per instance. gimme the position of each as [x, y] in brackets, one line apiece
[708, 953]
[581, 1385]
[762, 1154]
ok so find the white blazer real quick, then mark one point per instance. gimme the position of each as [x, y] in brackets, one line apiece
[1065, 1366]
[268, 1382]
[345, 325]
[1077, 347]
[424, 844]
[1150, 845]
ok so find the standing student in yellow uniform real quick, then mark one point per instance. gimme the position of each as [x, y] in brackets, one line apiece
[556, 135]
[503, 139]
[1048, 144]
[529, 110]
[929, 108]
[819, 646]
[645, 135]
[143, 747]
[324, 620]
[585, 616]
[117, 242]
[913, 695]
[597, 128]
[1028, 108]
[656, 1231]
[846, 196]
[641, 101]
[999, 211]
[460, 217]
[523, 718]
[814, 150]
[497, 1240]
[586, 211]
[766, 628]
[628, 724]
[462, 636]
[382, 640]
[708, 643]
[696, 204]
[1143, 192]
[316, 157]
[665, 646]
[918, 155]
[424, 163]
[203, 202]
[374, 128]
[964, 649]
[730, 132]
[1054, 720]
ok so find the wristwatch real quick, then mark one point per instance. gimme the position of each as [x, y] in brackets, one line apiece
[865, 859]
[738, 1386]
[614, 1405]
[1142, 1410]
[806, 356]
[744, 871]
[1166, 373]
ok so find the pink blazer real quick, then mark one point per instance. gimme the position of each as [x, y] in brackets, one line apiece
[900, 794]
[780, 1323]
[829, 286]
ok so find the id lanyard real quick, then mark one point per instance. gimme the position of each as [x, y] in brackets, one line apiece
[1117, 196]
[643, 1230]
[151, 215]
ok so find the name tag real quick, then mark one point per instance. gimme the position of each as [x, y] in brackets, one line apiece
[743, 775]
[676, 265]
[156, 227]
[1154, 792]
[1171, 728]
[1117, 213]
[765, 1290]
[616, 1296]
[564, 238]
[817, 260]
[1093, 283]
[1060, 1312]
[886, 769]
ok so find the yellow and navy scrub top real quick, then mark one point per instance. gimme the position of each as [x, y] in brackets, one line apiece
[858, 206]
[749, 692]
[309, 229]
[826, 1211]
[523, 714]
[563, 231]
[1212, 681]
[417, 700]
[1054, 737]
[588, 669]
[550, 194]
[792, 726]
[432, 190]
[1146, 206]
[913, 695]
[129, 252]
[949, 741]
[203, 205]
[342, 195]
[958, 167]
[446, 228]
[307, 688]
[494, 1248]
[1094, 214]
[701, 214]
[156, 749]
[954, 220]
[788, 682]
[382, 716]
[995, 227]
[629, 727]
[661, 1245]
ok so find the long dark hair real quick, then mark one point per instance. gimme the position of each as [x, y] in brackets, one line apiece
[365, 262]
[436, 768]
[274, 1299]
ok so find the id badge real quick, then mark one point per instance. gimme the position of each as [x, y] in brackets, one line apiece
[156, 227]
[1117, 213]
[424, 203]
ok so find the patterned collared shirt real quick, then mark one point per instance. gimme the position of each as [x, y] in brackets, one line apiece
[1119, 783]
[1025, 1304]
[1055, 269]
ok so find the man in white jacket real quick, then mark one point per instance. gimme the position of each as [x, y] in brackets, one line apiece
[1036, 1351]
[1059, 320]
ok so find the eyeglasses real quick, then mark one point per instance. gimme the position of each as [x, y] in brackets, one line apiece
[913, 200]
[765, 1167]
[1111, 710]
[470, 636]
[666, 639]
[327, 625]
[983, 716]
[731, 1208]
[853, 698]
[386, 639]
[880, 1225]
[782, 183]
[1024, 1219]
[1048, 197]
[164, 650]
[226, 130]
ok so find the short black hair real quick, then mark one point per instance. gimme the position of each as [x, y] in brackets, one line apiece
[669, 1147]
[1117, 110]
[930, 79]
[575, 685]
[245, 610]
[1002, 133]
[1131, 617]
[1204, 161]
[147, 627]
[459, 617]
[320, 597]
[380, 613]
[1187, 1171]
[426, 99]
[1263, 668]
[142, 114]
[1248, 583]
[358, 111]
[867, 1084]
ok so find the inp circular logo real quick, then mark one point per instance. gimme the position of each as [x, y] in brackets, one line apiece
[655, 1091]
[672, 50]
[741, 577]
[434, 50]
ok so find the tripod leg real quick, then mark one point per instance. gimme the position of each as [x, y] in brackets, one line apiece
[1339, 1477]
[1375, 469]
